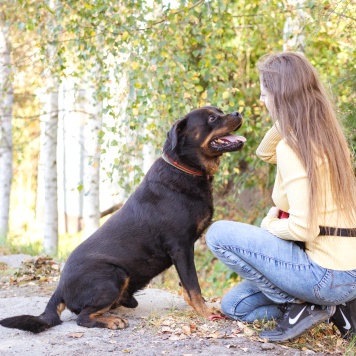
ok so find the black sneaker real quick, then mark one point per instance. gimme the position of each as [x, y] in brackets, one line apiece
[344, 318]
[297, 319]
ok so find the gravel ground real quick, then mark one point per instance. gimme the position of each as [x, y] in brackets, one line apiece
[162, 324]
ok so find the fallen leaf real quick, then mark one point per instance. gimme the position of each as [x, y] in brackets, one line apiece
[248, 332]
[231, 346]
[76, 335]
[193, 327]
[166, 329]
[186, 330]
[214, 335]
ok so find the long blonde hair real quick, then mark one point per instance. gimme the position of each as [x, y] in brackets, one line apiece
[308, 123]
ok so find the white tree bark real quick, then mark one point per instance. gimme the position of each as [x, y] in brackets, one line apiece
[6, 103]
[48, 150]
[293, 31]
[91, 183]
[49, 119]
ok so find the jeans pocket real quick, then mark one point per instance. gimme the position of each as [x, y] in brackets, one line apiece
[336, 287]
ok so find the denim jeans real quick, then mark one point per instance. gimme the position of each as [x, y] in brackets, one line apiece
[275, 271]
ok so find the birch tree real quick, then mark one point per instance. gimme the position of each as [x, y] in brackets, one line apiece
[6, 104]
[293, 31]
[49, 159]
[49, 132]
[91, 183]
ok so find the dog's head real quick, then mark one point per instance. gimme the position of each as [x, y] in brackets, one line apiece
[202, 136]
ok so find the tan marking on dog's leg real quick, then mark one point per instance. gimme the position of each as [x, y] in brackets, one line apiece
[125, 285]
[110, 321]
[197, 302]
[123, 290]
[60, 308]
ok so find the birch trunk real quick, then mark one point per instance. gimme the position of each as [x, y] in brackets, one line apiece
[91, 183]
[49, 132]
[6, 103]
[293, 31]
[49, 119]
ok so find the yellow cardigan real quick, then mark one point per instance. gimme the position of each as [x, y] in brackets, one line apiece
[291, 194]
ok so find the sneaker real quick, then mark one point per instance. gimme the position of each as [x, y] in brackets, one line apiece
[344, 318]
[297, 319]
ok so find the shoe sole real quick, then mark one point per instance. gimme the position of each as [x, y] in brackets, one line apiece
[298, 330]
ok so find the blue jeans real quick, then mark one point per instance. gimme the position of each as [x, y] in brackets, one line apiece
[275, 271]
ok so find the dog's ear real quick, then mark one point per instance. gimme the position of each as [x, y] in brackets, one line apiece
[173, 133]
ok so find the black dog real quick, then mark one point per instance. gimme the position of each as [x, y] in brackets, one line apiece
[157, 227]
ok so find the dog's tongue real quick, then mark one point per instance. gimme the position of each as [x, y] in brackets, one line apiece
[233, 138]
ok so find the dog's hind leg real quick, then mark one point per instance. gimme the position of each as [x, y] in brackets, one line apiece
[91, 317]
[106, 297]
[126, 301]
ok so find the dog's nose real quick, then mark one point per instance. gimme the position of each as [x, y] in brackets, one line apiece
[236, 113]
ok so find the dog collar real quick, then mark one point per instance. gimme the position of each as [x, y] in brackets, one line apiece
[179, 166]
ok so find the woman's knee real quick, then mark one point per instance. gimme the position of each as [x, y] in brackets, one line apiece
[215, 231]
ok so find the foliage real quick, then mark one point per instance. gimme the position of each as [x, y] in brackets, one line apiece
[176, 56]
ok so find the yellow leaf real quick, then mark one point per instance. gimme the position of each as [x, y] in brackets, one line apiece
[204, 95]
[186, 96]
[135, 112]
[225, 94]
[134, 65]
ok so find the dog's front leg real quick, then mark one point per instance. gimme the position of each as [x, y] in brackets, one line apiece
[183, 260]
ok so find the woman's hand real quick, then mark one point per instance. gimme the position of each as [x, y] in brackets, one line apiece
[273, 212]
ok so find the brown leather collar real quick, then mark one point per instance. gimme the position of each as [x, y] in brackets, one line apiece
[174, 163]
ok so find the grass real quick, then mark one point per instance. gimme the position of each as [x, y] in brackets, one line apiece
[33, 246]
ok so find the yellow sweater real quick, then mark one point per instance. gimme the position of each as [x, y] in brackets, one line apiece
[291, 194]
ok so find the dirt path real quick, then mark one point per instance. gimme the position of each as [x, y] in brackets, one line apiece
[162, 324]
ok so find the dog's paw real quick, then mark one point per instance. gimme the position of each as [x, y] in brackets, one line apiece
[117, 323]
[212, 311]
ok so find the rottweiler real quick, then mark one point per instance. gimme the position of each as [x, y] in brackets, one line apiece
[155, 229]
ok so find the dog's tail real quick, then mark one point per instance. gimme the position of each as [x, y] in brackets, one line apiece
[36, 324]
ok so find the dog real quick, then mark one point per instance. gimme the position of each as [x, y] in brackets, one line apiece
[155, 229]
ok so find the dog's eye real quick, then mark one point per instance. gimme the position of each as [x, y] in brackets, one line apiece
[212, 118]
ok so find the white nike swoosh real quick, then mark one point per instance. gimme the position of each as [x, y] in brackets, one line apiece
[347, 325]
[295, 319]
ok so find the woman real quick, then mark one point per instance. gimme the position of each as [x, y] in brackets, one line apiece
[315, 185]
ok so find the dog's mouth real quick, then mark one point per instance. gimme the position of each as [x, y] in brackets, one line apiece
[227, 143]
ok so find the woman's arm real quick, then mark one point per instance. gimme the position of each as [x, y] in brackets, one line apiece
[267, 148]
[295, 185]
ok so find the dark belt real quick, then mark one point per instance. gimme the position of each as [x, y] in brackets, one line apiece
[333, 231]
